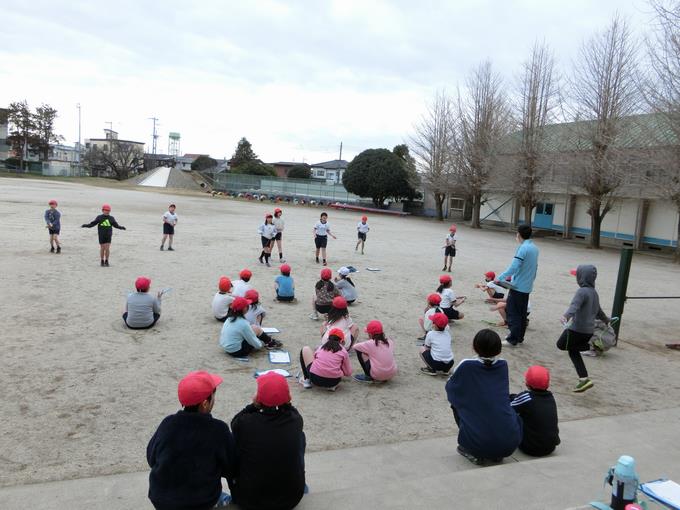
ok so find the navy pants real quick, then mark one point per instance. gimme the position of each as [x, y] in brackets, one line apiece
[516, 309]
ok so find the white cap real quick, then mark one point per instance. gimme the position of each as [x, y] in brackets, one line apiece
[343, 271]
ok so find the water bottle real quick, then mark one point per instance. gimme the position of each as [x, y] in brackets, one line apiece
[624, 482]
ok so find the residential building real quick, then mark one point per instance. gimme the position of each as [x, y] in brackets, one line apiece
[107, 144]
[283, 167]
[330, 171]
[4, 133]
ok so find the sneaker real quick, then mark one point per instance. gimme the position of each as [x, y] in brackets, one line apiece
[58, 249]
[101, 263]
[314, 316]
[508, 344]
[162, 247]
[224, 500]
[442, 372]
[444, 268]
[475, 460]
[449, 270]
[592, 353]
[260, 259]
[52, 249]
[317, 260]
[324, 263]
[583, 385]
[106, 263]
[428, 371]
[267, 264]
[306, 383]
[362, 378]
[420, 341]
[274, 344]
[170, 248]
[282, 260]
[332, 388]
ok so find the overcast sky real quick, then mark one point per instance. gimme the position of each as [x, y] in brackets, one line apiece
[294, 77]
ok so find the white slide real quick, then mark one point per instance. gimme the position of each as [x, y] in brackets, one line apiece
[158, 178]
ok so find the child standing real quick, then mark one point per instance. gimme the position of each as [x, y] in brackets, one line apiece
[169, 222]
[583, 310]
[280, 225]
[376, 356]
[222, 299]
[345, 285]
[324, 292]
[449, 300]
[105, 225]
[242, 286]
[493, 290]
[189, 439]
[362, 230]
[538, 410]
[284, 285]
[256, 312]
[478, 391]
[432, 307]
[437, 353]
[450, 248]
[321, 232]
[53, 224]
[267, 233]
[325, 367]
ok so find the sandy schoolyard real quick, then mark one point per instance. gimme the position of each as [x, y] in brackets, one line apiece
[81, 395]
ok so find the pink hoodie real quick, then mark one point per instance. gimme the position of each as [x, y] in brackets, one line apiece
[331, 364]
[381, 356]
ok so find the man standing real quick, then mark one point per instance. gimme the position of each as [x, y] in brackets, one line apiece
[522, 271]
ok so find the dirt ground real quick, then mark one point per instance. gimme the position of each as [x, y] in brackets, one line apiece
[81, 395]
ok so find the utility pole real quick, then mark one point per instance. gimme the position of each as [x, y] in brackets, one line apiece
[78, 147]
[154, 135]
[340, 151]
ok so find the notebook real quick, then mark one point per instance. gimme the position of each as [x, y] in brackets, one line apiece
[665, 491]
[271, 331]
[279, 357]
[280, 371]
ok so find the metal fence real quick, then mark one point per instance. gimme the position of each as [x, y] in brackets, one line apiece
[308, 189]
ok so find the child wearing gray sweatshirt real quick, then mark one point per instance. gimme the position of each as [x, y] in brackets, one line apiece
[579, 321]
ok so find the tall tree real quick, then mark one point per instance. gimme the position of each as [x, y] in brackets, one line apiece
[378, 174]
[244, 153]
[203, 162]
[662, 93]
[22, 129]
[409, 163]
[484, 117]
[301, 171]
[535, 107]
[432, 144]
[604, 90]
[44, 130]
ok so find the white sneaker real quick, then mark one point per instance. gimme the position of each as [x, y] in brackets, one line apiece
[314, 316]
[306, 384]
[592, 353]
[508, 344]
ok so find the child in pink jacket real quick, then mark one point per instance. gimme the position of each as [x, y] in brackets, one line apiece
[325, 367]
[376, 356]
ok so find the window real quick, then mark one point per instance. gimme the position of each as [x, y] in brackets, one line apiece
[539, 208]
[548, 209]
[457, 204]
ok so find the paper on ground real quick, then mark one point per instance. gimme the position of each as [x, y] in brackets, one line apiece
[279, 357]
[271, 331]
[665, 490]
[280, 371]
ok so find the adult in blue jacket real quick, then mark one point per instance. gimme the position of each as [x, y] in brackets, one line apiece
[479, 391]
[522, 272]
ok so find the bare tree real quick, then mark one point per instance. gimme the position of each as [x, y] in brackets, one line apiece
[604, 91]
[432, 144]
[44, 128]
[484, 117]
[22, 129]
[662, 93]
[535, 107]
[119, 159]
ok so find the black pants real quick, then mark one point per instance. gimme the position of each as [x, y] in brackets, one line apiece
[365, 364]
[156, 316]
[516, 309]
[317, 380]
[245, 349]
[574, 343]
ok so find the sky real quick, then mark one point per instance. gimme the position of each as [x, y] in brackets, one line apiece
[296, 78]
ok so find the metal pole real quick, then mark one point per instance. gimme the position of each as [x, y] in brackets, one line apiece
[621, 287]
[78, 150]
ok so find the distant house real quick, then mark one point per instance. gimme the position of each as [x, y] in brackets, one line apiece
[283, 167]
[108, 143]
[330, 171]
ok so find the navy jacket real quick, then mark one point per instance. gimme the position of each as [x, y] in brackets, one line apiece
[539, 418]
[488, 427]
[188, 456]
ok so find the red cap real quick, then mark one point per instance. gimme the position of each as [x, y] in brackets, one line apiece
[245, 274]
[434, 299]
[339, 302]
[490, 275]
[224, 284]
[439, 319]
[364, 218]
[277, 211]
[444, 279]
[196, 387]
[452, 228]
[537, 377]
[106, 207]
[326, 274]
[239, 304]
[572, 272]
[272, 390]
[285, 268]
[374, 328]
[52, 202]
[142, 284]
[268, 215]
[252, 295]
[337, 332]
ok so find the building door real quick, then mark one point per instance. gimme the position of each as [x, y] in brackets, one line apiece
[544, 215]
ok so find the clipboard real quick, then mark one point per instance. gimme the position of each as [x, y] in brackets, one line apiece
[279, 357]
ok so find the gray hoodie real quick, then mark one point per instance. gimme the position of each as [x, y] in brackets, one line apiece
[585, 306]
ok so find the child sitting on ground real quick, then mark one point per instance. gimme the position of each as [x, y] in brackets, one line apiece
[238, 337]
[376, 356]
[478, 391]
[494, 291]
[256, 312]
[326, 366]
[433, 301]
[242, 286]
[437, 353]
[449, 300]
[222, 299]
[325, 291]
[187, 439]
[338, 317]
[538, 410]
[142, 310]
[346, 286]
[284, 285]
[270, 447]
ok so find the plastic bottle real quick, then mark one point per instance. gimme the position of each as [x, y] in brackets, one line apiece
[624, 482]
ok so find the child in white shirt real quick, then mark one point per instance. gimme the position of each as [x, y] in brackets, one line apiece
[222, 300]
[321, 232]
[256, 312]
[267, 233]
[280, 225]
[433, 302]
[437, 353]
[242, 286]
[494, 291]
[362, 230]
[450, 248]
[169, 222]
[449, 300]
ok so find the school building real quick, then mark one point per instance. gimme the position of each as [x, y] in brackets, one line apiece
[640, 217]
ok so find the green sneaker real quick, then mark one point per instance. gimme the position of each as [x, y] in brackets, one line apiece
[583, 385]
